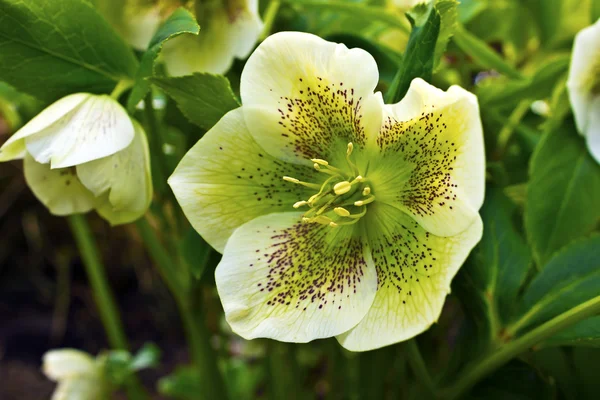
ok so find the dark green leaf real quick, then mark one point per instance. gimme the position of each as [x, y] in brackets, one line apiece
[562, 194]
[146, 357]
[420, 52]
[448, 17]
[68, 41]
[570, 278]
[595, 10]
[180, 22]
[183, 384]
[196, 252]
[586, 334]
[203, 98]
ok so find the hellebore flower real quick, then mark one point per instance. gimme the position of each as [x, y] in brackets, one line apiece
[83, 152]
[584, 86]
[336, 215]
[228, 29]
[78, 374]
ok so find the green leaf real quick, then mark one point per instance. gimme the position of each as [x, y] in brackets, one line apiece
[595, 10]
[68, 41]
[562, 194]
[420, 51]
[203, 98]
[586, 334]
[196, 252]
[180, 22]
[482, 54]
[146, 357]
[183, 384]
[448, 10]
[570, 278]
[119, 364]
[507, 93]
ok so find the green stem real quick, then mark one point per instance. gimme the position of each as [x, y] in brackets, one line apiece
[121, 87]
[155, 142]
[269, 18]
[193, 320]
[109, 313]
[417, 364]
[283, 373]
[513, 121]
[373, 12]
[509, 351]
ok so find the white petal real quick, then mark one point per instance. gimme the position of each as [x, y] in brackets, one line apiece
[414, 269]
[80, 388]
[303, 95]
[219, 41]
[125, 176]
[99, 127]
[58, 189]
[593, 131]
[432, 162]
[227, 179]
[15, 146]
[294, 282]
[67, 363]
[584, 74]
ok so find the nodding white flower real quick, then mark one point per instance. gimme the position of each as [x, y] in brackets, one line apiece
[228, 29]
[336, 215]
[83, 152]
[79, 375]
[584, 86]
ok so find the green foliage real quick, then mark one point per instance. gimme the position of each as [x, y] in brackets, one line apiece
[180, 22]
[203, 98]
[54, 48]
[120, 364]
[563, 192]
[585, 334]
[183, 384]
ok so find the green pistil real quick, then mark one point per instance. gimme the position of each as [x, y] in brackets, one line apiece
[341, 199]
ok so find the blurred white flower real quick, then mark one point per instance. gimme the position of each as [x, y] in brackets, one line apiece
[78, 375]
[83, 152]
[584, 86]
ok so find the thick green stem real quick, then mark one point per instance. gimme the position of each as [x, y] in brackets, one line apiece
[269, 18]
[155, 142]
[509, 351]
[203, 355]
[283, 373]
[109, 313]
[417, 364]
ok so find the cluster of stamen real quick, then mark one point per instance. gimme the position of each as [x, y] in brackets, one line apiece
[341, 199]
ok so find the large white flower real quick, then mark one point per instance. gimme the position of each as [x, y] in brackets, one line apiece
[79, 375]
[228, 29]
[584, 86]
[83, 152]
[336, 215]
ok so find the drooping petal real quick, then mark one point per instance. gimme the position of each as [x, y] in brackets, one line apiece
[125, 177]
[432, 162]
[97, 128]
[225, 34]
[227, 179]
[79, 388]
[593, 131]
[291, 281]
[14, 148]
[584, 75]
[67, 363]
[58, 189]
[414, 270]
[305, 97]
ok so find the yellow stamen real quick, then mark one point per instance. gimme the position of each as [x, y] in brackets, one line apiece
[350, 148]
[333, 224]
[342, 187]
[341, 211]
[365, 201]
[366, 191]
[299, 204]
[290, 179]
[319, 161]
[299, 182]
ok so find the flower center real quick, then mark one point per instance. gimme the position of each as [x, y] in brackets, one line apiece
[341, 199]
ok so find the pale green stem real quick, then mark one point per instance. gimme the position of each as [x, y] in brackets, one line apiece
[283, 373]
[511, 350]
[120, 88]
[417, 364]
[198, 336]
[107, 308]
[365, 11]
[513, 121]
[269, 18]
[155, 141]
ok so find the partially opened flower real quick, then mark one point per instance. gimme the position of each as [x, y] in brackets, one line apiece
[84, 152]
[79, 375]
[584, 86]
[336, 215]
[228, 29]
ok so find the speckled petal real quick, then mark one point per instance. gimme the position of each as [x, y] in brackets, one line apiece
[305, 97]
[48, 119]
[414, 270]
[58, 189]
[291, 281]
[221, 39]
[432, 162]
[227, 179]
[124, 177]
[97, 128]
